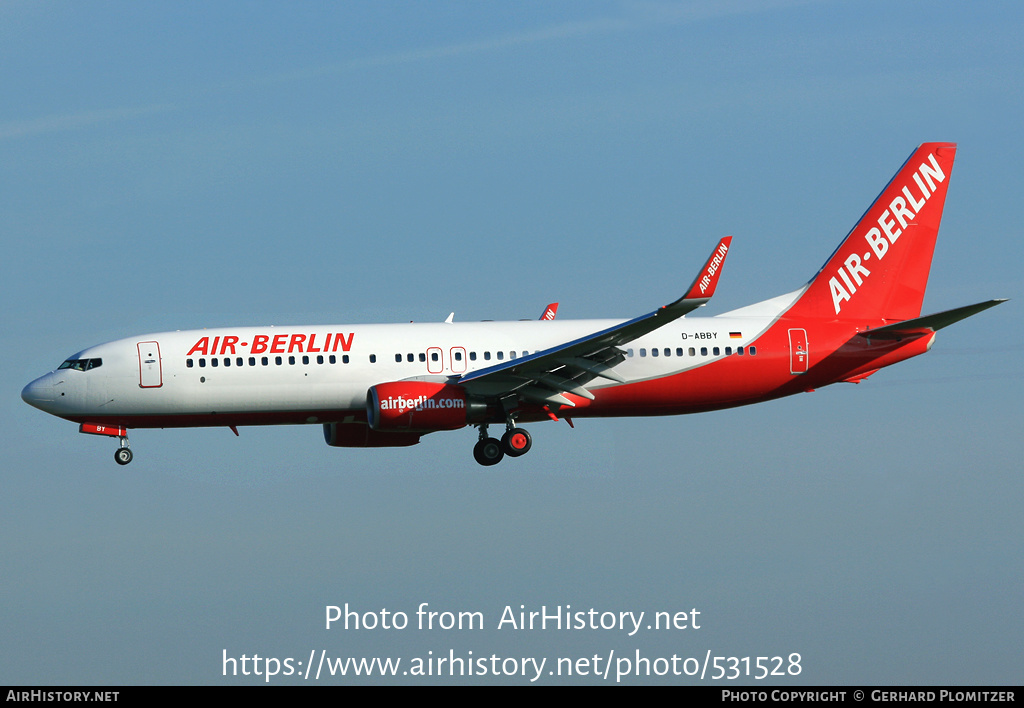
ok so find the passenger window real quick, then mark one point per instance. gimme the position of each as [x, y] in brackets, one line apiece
[278, 360]
[693, 352]
[252, 361]
[728, 351]
[188, 363]
[305, 360]
[717, 351]
[487, 356]
[265, 361]
[501, 356]
[202, 363]
[752, 350]
[679, 351]
[472, 356]
[214, 362]
[410, 357]
[320, 359]
[739, 350]
[332, 359]
[398, 358]
[654, 351]
[643, 352]
[373, 358]
[703, 351]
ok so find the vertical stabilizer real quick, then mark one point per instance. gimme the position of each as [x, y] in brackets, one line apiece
[881, 269]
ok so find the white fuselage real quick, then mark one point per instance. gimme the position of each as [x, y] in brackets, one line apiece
[252, 375]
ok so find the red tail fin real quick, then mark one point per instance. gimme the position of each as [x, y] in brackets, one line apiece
[881, 268]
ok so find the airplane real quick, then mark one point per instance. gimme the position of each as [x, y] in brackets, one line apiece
[387, 385]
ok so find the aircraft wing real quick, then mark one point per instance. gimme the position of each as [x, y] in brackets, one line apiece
[543, 377]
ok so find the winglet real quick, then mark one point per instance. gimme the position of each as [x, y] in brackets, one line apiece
[707, 280]
[549, 311]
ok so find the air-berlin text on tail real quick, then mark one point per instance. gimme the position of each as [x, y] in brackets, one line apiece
[273, 344]
[713, 266]
[902, 210]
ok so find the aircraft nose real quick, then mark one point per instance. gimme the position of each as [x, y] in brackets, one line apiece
[39, 392]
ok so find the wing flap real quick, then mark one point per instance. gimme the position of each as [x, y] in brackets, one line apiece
[566, 385]
[598, 369]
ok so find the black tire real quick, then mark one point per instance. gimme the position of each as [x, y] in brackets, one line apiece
[516, 442]
[123, 456]
[488, 452]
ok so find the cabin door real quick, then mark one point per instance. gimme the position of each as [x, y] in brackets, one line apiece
[151, 373]
[798, 355]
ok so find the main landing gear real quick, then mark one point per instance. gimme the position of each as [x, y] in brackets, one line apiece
[489, 451]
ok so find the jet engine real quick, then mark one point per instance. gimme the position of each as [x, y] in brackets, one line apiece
[421, 406]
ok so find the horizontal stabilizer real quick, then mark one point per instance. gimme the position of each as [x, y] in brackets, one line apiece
[933, 322]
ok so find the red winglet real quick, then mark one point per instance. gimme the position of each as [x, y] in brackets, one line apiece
[707, 280]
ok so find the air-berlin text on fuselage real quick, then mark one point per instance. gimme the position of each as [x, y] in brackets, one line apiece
[713, 267]
[273, 344]
[902, 209]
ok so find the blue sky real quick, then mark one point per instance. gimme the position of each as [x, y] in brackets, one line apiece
[172, 166]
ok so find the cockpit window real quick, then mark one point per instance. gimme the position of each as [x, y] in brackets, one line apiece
[81, 364]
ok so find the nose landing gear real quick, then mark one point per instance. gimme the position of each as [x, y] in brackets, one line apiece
[123, 455]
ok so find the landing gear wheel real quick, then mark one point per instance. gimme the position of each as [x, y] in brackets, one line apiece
[123, 456]
[488, 452]
[516, 442]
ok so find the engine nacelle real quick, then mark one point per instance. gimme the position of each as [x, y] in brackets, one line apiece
[420, 406]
